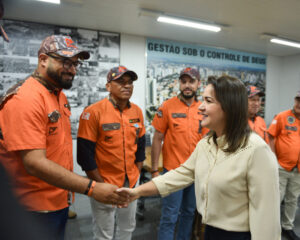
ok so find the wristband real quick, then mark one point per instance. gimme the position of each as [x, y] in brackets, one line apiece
[154, 171]
[88, 187]
[91, 188]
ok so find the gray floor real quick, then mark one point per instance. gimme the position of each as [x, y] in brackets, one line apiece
[147, 223]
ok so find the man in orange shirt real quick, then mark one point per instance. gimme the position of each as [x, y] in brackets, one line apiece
[256, 123]
[178, 123]
[111, 149]
[284, 133]
[36, 142]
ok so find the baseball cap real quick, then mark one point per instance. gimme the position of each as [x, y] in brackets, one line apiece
[253, 90]
[117, 72]
[192, 72]
[297, 94]
[62, 46]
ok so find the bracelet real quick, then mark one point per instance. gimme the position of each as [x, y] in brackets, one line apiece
[88, 187]
[154, 171]
[91, 188]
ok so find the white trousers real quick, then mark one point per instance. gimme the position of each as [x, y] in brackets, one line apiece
[112, 223]
[289, 192]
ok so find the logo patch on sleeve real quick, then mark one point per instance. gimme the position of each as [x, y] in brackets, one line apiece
[274, 121]
[86, 116]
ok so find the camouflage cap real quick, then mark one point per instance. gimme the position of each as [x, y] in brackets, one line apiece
[191, 72]
[62, 46]
[297, 94]
[117, 72]
[253, 90]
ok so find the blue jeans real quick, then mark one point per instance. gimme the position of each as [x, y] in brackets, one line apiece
[55, 222]
[179, 206]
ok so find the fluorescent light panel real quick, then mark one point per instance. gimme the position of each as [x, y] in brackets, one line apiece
[285, 42]
[50, 1]
[187, 23]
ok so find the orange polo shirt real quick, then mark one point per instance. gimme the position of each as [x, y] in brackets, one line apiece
[258, 125]
[181, 126]
[285, 128]
[116, 135]
[36, 118]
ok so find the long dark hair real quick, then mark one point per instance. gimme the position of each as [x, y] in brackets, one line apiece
[232, 95]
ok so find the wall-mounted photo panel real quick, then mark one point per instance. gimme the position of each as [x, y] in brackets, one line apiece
[18, 59]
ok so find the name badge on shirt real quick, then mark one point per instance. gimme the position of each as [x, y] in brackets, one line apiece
[54, 116]
[111, 126]
[178, 115]
[291, 128]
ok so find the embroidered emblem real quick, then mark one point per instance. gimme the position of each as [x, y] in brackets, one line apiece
[178, 115]
[111, 126]
[85, 115]
[175, 125]
[107, 138]
[291, 119]
[134, 120]
[52, 130]
[54, 116]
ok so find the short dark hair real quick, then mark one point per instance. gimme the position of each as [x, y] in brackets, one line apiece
[232, 95]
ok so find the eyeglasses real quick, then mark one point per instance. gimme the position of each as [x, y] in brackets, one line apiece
[67, 63]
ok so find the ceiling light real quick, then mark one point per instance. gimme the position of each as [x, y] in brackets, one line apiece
[50, 1]
[279, 40]
[188, 23]
[181, 21]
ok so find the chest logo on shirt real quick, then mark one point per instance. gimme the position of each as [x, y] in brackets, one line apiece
[111, 126]
[136, 120]
[178, 115]
[291, 119]
[52, 130]
[54, 116]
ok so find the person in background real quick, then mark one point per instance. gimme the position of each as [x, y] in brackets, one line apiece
[36, 142]
[234, 170]
[256, 123]
[284, 134]
[178, 123]
[111, 149]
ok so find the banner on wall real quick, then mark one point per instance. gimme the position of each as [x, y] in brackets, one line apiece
[165, 60]
[18, 59]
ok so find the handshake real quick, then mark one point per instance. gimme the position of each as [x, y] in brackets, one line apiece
[111, 194]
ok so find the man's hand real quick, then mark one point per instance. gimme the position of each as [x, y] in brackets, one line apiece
[106, 193]
[131, 193]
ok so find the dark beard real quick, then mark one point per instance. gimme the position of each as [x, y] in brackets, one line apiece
[59, 78]
[188, 96]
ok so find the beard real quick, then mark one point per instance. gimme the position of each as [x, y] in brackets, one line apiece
[193, 94]
[59, 78]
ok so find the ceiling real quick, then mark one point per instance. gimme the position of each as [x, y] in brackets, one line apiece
[247, 19]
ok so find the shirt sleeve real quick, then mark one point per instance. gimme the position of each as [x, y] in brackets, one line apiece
[86, 154]
[274, 128]
[264, 197]
[88, 125]
[140, 154]
[24, 123]
[160, 120]
[178, 178]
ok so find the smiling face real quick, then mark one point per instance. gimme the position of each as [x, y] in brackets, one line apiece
[254, 104]
[121, 89]
[213, 114]
[188, 86]
[297, 107]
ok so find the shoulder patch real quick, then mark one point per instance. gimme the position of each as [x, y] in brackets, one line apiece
[274, 121]
[159, 113]
[85, 116]
[54, 116]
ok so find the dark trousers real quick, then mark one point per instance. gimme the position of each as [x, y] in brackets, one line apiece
[212, 233]
[55, 222]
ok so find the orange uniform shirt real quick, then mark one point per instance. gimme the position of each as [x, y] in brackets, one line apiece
[259, 126]
[116, 135]
[285, 128]
[35, 118]
[181, 126]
